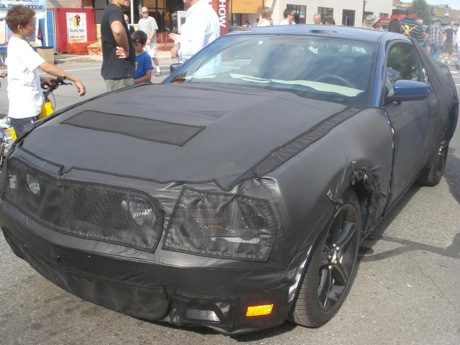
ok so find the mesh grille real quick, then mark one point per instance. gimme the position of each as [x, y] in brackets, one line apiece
[86, 210]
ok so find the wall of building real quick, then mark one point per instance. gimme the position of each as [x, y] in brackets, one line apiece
[375, 7]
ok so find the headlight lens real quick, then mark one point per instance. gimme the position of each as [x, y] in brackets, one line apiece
[33, 184]
[222, 225]
[140, 210]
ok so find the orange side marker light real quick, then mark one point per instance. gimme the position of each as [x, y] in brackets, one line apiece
[259, 310]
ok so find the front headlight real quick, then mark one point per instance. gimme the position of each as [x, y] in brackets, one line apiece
[141, 211]
[222, 225]
[33, 184]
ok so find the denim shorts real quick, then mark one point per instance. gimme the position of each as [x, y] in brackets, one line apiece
[20, 125]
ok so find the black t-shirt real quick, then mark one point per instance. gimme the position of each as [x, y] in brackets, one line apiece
[449, 32]
[112, 66]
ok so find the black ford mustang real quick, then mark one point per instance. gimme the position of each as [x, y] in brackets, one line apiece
[236, 194]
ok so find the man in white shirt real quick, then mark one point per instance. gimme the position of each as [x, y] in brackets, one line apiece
[201, 28]
[288, 15]
[149, 26]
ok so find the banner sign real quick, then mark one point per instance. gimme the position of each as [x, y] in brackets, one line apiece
[37, 5]
[221, 8]
[76, 27]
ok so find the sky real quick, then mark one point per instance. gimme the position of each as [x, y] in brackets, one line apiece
[454, 4]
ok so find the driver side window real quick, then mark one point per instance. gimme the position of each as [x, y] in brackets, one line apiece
[402, 64]
[403, 60]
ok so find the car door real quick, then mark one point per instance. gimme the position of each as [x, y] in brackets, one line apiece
[412, 121]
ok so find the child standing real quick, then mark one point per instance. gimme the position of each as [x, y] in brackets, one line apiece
[144, 66]
[24, 92]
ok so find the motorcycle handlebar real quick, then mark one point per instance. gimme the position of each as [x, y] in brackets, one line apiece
[49, 88]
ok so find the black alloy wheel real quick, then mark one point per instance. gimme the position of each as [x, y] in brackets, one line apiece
[332, 269]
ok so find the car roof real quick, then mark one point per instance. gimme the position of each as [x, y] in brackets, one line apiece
[339, 32]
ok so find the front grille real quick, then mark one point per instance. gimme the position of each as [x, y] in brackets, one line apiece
[86, 210]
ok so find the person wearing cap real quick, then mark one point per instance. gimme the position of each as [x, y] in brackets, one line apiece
[371, 22]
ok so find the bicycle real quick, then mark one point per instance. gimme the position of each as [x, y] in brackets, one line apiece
[7, 132]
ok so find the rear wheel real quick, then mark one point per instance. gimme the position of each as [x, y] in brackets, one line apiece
[332, 268]
[432, 175]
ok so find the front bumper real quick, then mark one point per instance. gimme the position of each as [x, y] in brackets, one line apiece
[194, 296]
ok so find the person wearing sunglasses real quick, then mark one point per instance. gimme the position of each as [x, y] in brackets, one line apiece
[149, 25]
[288, 15]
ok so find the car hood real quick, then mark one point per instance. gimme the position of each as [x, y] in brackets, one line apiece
[185, 133]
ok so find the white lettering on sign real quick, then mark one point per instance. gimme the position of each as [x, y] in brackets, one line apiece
[222, 13]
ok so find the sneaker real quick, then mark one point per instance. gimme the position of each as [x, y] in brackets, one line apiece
[157, 74]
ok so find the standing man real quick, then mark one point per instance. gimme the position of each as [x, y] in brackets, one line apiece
[288, 15]
[411, 28]
[434, 39]
[201, 28]
[118, 54]
[149, 26]
[448, 45]
[317, 19]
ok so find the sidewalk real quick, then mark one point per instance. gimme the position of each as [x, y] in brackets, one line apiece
[164, 57]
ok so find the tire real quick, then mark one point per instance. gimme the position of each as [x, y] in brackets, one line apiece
[332, 268]
[432, 175]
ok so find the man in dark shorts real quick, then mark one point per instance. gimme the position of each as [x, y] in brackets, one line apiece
[450, 33]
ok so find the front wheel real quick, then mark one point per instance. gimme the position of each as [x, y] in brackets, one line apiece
[332, 268]
[432, 175]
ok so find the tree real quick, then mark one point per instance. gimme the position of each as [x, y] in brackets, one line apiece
[423, 10]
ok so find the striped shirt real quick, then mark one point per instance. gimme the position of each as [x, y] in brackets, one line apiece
[413, 29]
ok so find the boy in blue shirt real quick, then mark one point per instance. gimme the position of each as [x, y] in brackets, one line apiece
[144, 66]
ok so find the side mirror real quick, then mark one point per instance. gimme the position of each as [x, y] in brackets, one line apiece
[409, 90]
[174, 66]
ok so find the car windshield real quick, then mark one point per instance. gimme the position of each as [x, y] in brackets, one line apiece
[310, 66]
